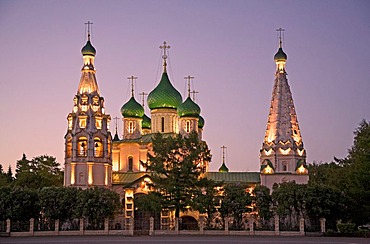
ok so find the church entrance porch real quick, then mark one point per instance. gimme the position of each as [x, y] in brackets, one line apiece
[188, 223]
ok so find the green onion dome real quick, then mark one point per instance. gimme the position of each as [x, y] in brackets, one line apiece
[188, 109]
[164, 95]
[146, 123]
[88, 49]
[132, 109]
[200, 122]
[280, 55]
[223, 168]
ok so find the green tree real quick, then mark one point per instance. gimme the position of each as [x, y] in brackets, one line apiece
[152, 202]
[96, 204]
[58, 202]
[24, 204]
[235, 202]
[207, 198]
[359, 174]
[5, 203]
[263, 201]
[41, 171]
[176, 163]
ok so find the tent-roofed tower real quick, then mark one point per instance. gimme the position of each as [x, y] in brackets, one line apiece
[88, 140]
[282, 157]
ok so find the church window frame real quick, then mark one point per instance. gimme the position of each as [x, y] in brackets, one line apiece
[187, 126]
[82, 146]
[131, 127]
[162, 124]
[98, 147]
[130, 164]
[68, 151]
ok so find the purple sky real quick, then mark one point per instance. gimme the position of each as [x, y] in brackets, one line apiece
[227, 45]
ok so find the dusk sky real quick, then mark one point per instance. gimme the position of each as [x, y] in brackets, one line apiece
[228, 46]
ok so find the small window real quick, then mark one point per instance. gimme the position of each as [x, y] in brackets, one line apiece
[130, 164]
[69, 148]
[131, 127]
[162, 124]
[187, 126]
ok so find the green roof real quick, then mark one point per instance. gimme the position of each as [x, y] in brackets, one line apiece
[132, 109]
[188, 109]
[223, 168]
[164, 95]
[146, 123]
[124, 178]
[143, 139]
[234, 177]
[280, 55]
[88, 49]
[201, 122]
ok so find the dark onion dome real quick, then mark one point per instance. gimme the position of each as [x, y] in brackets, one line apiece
[164, 95]
[200, 122]
[88, 49]
[280, 56]
[146, 123]
[188, 109]
[132, 109]
[223, 168]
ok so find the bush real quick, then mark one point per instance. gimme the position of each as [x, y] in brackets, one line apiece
[346, 228]
[364, 233]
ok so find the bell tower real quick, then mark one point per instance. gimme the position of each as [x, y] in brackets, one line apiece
[282, 157]
[88, 139]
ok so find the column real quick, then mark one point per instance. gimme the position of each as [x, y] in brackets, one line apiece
[82, 226]
[251, 225]
[277, 223]
[56, 230]
[32, 223]
[106, 226]
[131, 230]
[226, 221]
[301, 226]
[8, 226]
[151, 226]
[322, 225]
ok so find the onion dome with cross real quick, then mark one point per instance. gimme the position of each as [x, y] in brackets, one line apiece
[188, 108]
[132, 109]
[164, 94]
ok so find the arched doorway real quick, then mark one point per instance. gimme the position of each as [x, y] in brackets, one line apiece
[189, 223]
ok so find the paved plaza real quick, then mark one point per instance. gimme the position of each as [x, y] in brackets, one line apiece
[184, 239]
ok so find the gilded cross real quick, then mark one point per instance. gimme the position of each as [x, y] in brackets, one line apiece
[116, 122]
[194, 92]
[223, 153]
[143, 94]
[189, 78]
[88, 29]
[132, 78]
[280, 30]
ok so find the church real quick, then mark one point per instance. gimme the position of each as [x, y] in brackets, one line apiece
[94, 158]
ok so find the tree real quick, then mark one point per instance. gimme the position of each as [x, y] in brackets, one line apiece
[359, 174]
[58, 202]
[96, 204]
[207, 198]
[24, 204]
[263, 201]
[39, 172]
[176, 163]
[235, 202]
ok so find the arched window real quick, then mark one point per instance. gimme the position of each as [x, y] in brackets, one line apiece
[82, 147]
[162, 124]
[131, 127]
[69, 147]
[187, 126]
[130, 164]
[98, 147]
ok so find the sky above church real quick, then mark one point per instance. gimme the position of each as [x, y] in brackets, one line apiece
[228, 46]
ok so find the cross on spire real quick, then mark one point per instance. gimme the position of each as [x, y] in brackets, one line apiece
[143, 94]
[132, 78]
[164, 56]
[115, 121]
[223, 153]
[189, 78]
[88, 29]
[280, 30]
[194, 92]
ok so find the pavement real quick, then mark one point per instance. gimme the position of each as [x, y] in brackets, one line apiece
[184, 240]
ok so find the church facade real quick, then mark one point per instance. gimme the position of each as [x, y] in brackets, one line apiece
[94, 158]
